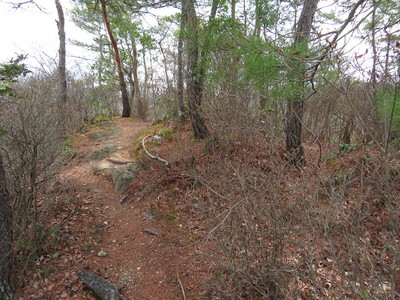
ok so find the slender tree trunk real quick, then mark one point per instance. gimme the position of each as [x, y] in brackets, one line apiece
[204, 57]
[205, 51]
[146, 76]
[126, 111]
[194, 81]
[139, 100]
[6, 289]
[257, 27]
[181, 104]
[374, 51]
[245, 17]
[295, 109]
[61, 53]
[165, 65]
[100, 69]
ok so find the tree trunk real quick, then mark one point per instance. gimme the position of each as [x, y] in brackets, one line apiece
[194, 80]
[61, 52]
[5, 238]
[139, 100]
[295, 109]
[126, 111]
[181, 104]
[164, 60]
[257, 26]
[145, 93]
[374, 50]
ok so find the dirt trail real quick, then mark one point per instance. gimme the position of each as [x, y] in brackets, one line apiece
[143, 265]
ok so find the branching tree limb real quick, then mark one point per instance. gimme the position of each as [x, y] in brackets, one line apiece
[151, 155]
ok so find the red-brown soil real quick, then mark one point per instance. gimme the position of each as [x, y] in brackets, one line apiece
[188, 199]
[142, 265]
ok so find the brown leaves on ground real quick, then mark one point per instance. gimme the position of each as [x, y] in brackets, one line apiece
[234, 221]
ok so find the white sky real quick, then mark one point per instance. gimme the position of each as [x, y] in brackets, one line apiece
[28, 30]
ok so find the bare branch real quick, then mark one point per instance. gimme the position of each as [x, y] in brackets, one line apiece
[151, 155]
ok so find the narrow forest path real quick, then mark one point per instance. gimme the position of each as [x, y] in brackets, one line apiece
[146, 252]
[124, 243]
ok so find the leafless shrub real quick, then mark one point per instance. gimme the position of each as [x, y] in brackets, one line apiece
[290, 234]
[86, 101]
[233, 118]
[343, 113]
[31, 147]
[163, 107]
[317, 233]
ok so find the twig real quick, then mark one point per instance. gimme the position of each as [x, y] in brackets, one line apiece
[119, 162]
[227, 211]
[151, 155]
[182, 289]
[391, 118]
[367, 128]
[224, 219]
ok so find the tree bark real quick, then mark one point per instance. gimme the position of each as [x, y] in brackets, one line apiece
[164, 60]
[126, 111]
[146, 76]
[194, 80]
[6, 288]
[61, 52]
[295, 108]
[181, 104]
[257, 26]
[374, 50]
[139, 99]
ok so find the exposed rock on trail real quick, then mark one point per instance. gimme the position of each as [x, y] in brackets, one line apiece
[101, 287]
[143, 252]
[123, 177]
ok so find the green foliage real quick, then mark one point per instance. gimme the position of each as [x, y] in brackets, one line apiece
[384, 100]
[347, 147]
[67, 148]
[45, 273]
[9, 73]
[331, 16]
[99, 119]
[51, 235]
[329, 157]
[261, 65]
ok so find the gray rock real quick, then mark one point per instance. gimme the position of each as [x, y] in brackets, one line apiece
[123, 177]
[100, 168]
[149, 214]
[150, 231]
[103, 153]
[102, 253]
[100, 286]
[100, 136]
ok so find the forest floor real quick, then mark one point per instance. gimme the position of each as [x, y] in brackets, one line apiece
[146, 253]
[164, 236]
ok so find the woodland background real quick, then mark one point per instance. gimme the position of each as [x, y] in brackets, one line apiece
[296, 106]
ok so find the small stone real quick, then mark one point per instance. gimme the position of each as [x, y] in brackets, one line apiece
[386, 287]
[64, 295]
[150, 231]
[102, 253]
[150, 214]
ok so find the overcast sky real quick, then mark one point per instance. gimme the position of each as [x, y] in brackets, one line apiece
[30, 31]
